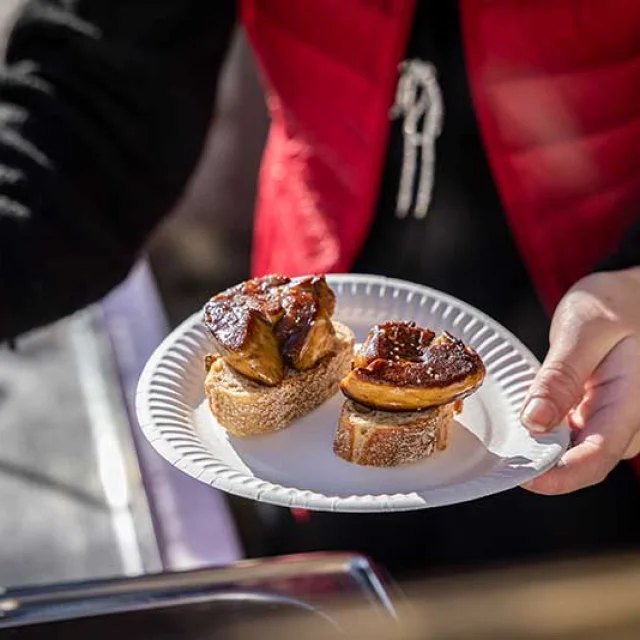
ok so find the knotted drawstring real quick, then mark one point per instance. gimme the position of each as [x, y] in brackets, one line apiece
[419, 101]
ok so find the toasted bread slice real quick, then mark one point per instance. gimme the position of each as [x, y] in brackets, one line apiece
[388, 439]
[246, 408]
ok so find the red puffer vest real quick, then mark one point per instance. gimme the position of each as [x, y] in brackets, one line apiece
[556, 87]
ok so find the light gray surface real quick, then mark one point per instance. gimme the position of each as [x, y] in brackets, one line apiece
[72, 501]
[194, 524]
[48, 536]
[55, 521]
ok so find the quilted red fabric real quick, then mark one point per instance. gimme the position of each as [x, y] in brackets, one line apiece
[556, 85]
[330, 68]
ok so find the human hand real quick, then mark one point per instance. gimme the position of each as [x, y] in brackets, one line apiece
[591, 376]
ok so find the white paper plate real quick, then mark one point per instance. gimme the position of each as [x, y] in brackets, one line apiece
[489, 451]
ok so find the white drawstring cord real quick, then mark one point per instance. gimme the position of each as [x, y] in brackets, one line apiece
[419, 101]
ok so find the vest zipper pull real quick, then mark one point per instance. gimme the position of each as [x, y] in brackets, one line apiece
[419, 101]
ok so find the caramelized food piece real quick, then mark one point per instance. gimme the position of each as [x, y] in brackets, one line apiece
[401, 367]
[262, 294]
[261, 325]
[305, 330]
[394, 341]
[245, 339]
[320, 289]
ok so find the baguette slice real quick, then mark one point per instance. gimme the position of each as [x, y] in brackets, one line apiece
[245, 408]
[388, 439]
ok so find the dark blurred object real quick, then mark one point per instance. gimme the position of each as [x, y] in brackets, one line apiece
[328, 596]
[205, 246]
[203, 604]
[565, 601]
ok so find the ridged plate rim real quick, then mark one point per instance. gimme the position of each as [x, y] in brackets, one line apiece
[166, 417]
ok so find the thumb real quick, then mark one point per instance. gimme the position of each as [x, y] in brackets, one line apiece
[578, 346]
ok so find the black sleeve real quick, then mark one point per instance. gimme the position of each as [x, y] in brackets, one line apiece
[104, 108]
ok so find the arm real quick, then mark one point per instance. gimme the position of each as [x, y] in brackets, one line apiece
[104, 108]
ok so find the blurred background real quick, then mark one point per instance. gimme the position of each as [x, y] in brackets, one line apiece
[82, 497]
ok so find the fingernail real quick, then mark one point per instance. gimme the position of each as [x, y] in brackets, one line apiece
[538, 415]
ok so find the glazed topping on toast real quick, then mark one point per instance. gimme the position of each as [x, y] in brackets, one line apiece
[395, 342]
[401, 367]
[264, 325]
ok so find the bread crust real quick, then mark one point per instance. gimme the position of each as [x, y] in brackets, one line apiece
[388, 439]
[246, 408]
